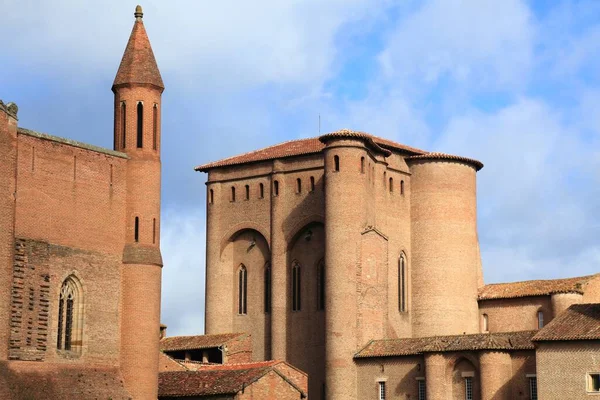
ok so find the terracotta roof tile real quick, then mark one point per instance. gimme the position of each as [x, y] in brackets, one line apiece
[533, 288]
[138, 64]
[302, 147]
[443, 156]
[177, 343]
[213, 379]
[578, 322]
[480, 341]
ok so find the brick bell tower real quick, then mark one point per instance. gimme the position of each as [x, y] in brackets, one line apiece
[138, 87]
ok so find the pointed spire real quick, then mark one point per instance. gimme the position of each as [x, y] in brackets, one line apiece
[138, 64]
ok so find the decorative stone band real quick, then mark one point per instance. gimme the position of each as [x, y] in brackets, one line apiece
[139, 254]
[350, 134]
[446, 157]
[9, 108]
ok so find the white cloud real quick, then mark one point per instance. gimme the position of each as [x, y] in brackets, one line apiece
[476, 43]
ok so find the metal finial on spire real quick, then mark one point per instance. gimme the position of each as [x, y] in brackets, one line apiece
[138, 13]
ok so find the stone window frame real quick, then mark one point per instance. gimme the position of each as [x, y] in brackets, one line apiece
[589, 382]
[69, 335]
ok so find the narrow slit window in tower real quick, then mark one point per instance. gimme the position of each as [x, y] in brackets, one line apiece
[296, 286]
[402, 283]
[140, 125]
[540, 317]
[298, 185]
[391, 185]
[247, 192]
[336, 162]
[362, 165]
[275, 188]
[211, 196]
[261, 190]
[321, 285]
[312, 183]
[155, 127]
[123, 124]
[402, 187]
[136, 229]
[242, 290]
[485, 323]
[153, 230]
[233, 193]
[267, 288]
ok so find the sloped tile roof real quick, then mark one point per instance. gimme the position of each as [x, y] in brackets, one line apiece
[443, 156]
[480, 341]
[196, 342]
[167, 363]
[138, 64]
[533, 288]
[214, 379]
[578, 322]
[302, 147]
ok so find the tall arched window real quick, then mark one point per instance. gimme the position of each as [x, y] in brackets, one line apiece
[391, 184]
[123, 123]
[336, 162]
[402, 283]
[211, 197]
[261, 190]
[485, 323]
[312, 183]
[242, 290]
[233, 193]
[70, 316]
[275, 188]
[321, 285]
[362, 165]
[296, 286]
[401, 187]
[540, 318]
[298, 185]
[268, 287]
[155, 126]
[247, 192]
[140, 124]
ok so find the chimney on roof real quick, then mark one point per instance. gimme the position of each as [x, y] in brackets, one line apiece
[163, 331]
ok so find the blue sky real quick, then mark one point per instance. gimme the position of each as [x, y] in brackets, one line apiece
[513, 83]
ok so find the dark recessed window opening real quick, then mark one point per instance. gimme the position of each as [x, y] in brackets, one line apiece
[233, 193]
[123, 124]
[242, 290]
[312, 183]
[211, 196]
[153, 230]
[261, 190]
[247, 192]
[362, 165]
[298, 185]
[140, 125]
[155, 126]
[336, 163]
[275, 188]
[267, 287]
[136, 233]
[391, 185]
[402, 284]
[321, 285]
[401, 187]
[296, 288]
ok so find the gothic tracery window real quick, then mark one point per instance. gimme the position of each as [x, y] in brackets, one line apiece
[70, 316]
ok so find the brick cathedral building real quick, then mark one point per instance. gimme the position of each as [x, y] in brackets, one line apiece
[80, 249]
[349, 257]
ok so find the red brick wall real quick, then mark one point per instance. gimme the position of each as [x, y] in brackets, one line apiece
[271, 386]
[511, 315]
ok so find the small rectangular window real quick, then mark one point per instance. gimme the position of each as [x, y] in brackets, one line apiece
[381, 391]
[468, 388]
[533, 388]
[594, 383]
[422, 389]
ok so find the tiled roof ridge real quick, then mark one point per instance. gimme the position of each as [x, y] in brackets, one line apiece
[578, 322]
[241, 366]
[434, 155]
[70, 142]
[348, 133]
[176, 343]
[526, 291]
[479, 341]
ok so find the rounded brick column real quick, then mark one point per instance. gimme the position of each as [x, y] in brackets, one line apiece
[495, 374]
[435, 377]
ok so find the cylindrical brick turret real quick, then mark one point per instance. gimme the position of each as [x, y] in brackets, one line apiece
[346, 194]
[562, 301]
[435, 376]
[495, 373]
[445, 259]
[8, 168]
[138, 88]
